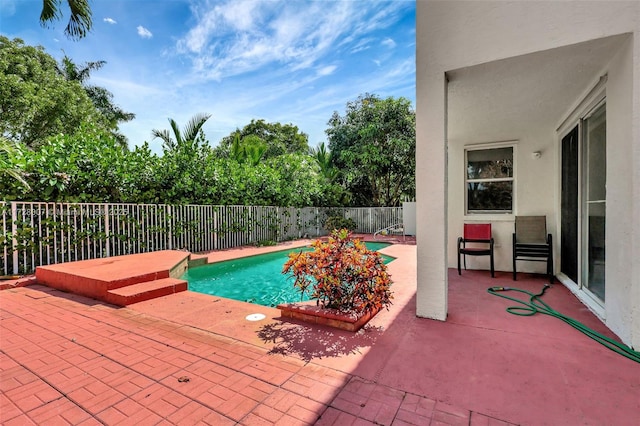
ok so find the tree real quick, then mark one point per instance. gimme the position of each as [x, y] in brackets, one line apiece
[279, 139]
[35, 101]
[373, 145]
[250, 149]
[79, 22]
[324, 158]
[7, 164]
[102, 99]
[86, 166]
[188, 135]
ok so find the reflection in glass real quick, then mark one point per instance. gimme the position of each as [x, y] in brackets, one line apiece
[595, 161]
[490, 163]
[494, 196]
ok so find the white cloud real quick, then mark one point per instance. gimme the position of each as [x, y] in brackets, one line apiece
[362, 44]
[143, 32]
[389, 42]
[242, 36]
[328, 70]
[110, 21]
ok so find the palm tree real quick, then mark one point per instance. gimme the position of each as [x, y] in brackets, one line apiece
[7, 150]
[79, 21]
[178, 139]
[324, 158]
[250, 150]
[101, 97]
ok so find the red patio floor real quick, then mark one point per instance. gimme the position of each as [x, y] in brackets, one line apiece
[194, 359]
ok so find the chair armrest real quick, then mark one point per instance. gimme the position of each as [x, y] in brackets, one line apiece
[460, 241]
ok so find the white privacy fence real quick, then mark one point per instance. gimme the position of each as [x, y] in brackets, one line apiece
[35, 233]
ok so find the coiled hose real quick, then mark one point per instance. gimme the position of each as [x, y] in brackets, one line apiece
[537, 305]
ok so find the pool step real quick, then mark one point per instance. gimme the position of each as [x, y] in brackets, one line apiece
[147, 290]
[198, 260]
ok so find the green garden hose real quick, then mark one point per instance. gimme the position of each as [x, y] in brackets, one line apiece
[536, 305]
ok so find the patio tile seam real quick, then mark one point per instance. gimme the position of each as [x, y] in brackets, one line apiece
[96, 415]
[283, 386]
[437, 409]
[199, 358]
[63, 395]
[327, 404]
[116, 326]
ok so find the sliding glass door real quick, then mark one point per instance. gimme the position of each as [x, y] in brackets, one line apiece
[583, 203]
[569, 209]
[594, 200]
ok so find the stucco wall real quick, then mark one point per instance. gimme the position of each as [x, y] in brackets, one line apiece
[454, 35]
[620, 197]
[458, 34]
[533, 180]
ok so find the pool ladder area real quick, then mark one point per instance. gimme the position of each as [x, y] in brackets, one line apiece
[396, 229]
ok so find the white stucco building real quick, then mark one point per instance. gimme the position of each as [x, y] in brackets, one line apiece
[552, 90]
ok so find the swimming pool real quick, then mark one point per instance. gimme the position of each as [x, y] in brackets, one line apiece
[256, 279]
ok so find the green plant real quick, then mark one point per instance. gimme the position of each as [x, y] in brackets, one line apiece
[342, 274]
[338, 222]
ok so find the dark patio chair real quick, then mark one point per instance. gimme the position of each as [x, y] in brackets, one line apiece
[479, 233]
[531, 242]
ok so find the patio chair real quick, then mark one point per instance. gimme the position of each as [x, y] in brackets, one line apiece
[532, 243]
[479, 233]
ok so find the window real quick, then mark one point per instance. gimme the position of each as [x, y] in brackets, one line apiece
[489, 180]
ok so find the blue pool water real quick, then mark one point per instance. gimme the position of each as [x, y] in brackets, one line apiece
[255, 279]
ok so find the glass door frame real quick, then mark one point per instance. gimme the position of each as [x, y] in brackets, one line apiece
[583, 109]
[585, 204]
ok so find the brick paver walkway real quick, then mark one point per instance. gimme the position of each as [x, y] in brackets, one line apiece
[66, 359]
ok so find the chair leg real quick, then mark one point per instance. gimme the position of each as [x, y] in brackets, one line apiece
[513, 247]
[491, 261]
[459, 272]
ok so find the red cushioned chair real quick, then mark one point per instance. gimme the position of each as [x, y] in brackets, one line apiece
[479, 233]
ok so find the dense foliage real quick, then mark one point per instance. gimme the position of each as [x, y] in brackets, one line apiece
[36, 102]
[342, 274]
[91, 166]
[373, 145]
[278, 139]
[339, 222]
[60, 142]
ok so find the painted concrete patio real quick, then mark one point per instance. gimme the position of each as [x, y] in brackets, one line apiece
[189, 358]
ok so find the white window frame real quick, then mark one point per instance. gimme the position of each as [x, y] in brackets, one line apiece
[486, 214]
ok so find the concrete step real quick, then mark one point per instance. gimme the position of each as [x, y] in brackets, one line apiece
[140, 292]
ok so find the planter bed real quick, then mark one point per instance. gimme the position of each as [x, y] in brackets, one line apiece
[310, 313]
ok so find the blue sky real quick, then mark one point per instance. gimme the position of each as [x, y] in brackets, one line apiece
[292, 61]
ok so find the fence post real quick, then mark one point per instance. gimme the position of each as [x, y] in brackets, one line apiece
[14, 232]
[106, 229]
[169, 223]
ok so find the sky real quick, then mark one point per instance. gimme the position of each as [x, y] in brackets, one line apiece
[292, 62]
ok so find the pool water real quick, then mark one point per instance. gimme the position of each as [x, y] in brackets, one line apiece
[256, 279]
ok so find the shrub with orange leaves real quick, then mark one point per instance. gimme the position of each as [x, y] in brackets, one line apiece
[342, 274]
